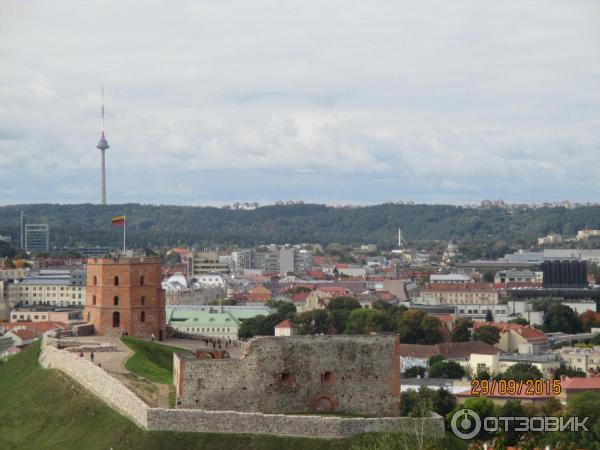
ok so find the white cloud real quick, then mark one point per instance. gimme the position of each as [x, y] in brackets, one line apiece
[320, 100]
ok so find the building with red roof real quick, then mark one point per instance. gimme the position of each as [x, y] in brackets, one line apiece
[576, 385]
[286, 328]
[518, 338]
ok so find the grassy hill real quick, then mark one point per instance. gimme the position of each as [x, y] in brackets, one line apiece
[44, 409]
[151, 360]
[150, 225]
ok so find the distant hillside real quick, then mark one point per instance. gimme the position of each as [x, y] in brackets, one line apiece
[186, 225]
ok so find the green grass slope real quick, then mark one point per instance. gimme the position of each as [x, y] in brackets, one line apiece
[151, 360]
[44, 409]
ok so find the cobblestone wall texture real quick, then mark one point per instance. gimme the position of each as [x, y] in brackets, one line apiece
[353, 374]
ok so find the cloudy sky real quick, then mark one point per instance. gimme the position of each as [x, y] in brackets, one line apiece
[210, 102]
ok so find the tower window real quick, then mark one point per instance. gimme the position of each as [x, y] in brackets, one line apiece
[116, 301]
[143, 316]
[95, 280]
[143, 300]
[116, 281]
[142, 280]
[93, 299]
[116, 322]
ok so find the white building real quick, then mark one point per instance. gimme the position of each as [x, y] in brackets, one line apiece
[286, 328]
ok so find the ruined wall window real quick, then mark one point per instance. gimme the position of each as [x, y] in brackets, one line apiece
[285, 378]
[93, 299]
[89, 317]
[143, 300]
[116, 319]
[142, 280]
[95, 280]
[143, 316]
[116, 281]
[327, 378]
[116, 301]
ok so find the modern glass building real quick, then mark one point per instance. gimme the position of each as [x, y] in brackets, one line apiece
[37, 238]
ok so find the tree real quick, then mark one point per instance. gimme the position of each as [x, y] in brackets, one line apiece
[336, 321]
[343, 302]
[488, 276]
[461, 330]
[9, 264]
[364, 321]
[434, 359]
[313, 322]
[589, 320]
[519, 321]
[416, 327]
[521, 372]
[569, 372]
[483, 406]
[446, 369]
[489, 317]
[511, 408]
[596, 339]
[415, 372]
[488, 334]
[561, 318]
[430, 327]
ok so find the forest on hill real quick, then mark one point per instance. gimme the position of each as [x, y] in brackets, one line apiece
[167, 225]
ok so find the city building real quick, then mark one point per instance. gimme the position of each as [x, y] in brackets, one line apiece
[518, 338]
[37, 238]
[565, 274]
[56, 288]
[45, 315]
[515, 276]
[585, 359]
[202, 263]
[458, 278]
[586, 234]
[460, 294]
[124, 295]
[550, 239]
[222, 322]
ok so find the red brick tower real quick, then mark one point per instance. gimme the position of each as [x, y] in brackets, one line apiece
[125, 295]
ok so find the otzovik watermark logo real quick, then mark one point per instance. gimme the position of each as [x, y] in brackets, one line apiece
[466, 424]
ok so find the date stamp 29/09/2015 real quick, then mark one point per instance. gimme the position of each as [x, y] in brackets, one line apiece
[515, 388]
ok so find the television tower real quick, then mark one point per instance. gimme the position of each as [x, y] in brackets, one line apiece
[102, 145]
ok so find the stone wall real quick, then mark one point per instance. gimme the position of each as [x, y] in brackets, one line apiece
[116, 395]
[96, 380]
[354, 374]
[330, 427]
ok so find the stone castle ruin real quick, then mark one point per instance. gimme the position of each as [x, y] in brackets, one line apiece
[346, 374]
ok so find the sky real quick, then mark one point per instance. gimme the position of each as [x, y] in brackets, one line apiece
[326, 101]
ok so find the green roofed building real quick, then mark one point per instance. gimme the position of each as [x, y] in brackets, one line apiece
[212, 321]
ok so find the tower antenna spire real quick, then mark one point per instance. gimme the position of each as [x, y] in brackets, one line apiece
[103, 146]
[103, 110]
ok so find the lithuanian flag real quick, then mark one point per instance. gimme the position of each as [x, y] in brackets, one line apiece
[118, 220]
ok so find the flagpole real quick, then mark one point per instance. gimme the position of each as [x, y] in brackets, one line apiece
[124, 234]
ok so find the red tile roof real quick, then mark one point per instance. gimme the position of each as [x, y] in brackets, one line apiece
[526, 331]
[286, 324]
[581, 384]
[335, 289]
[460, 287]
[25, 334]
[300, 297]
[38, 327]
